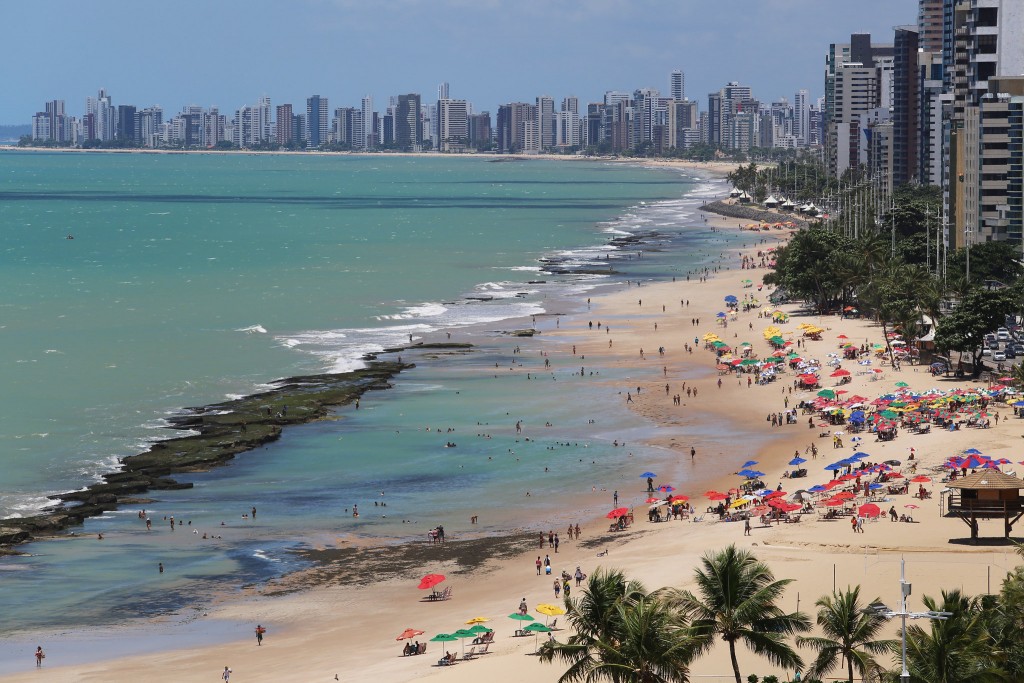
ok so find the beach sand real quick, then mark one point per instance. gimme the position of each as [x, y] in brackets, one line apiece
[316, 633]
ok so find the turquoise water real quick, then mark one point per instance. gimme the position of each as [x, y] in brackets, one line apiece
[191, 278]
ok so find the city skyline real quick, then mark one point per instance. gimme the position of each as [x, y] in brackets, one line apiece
[346, 50]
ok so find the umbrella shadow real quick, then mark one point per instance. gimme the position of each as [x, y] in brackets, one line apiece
[995, 541]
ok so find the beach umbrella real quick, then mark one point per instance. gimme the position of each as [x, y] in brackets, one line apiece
[750, 463]
[844, 495]
[972, 451]
[902, 384]
[444, 638]
[875, 486]
[802, 496]
[720, 314]
[537, 628]
[409, 633]
[911, 506]
[718, 496]
[430, 580]
[921, 479]
[797, 461]
[480, 628]
[666, 488]
[646, 475]
[617, 512]
[549, 610]
[834, 467]
[679, 499]
[462, 634]
[827, 393]
[659, 504]
[731, 299]
[652, 500]
[835, 502]
[520, 617]
[869, 510]
[894, 463]
[840, 373]
[477, 620]
[818, 488]
[862, 454]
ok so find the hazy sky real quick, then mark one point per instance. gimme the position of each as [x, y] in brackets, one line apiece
[230, 52]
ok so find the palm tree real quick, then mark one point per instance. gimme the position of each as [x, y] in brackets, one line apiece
[849, 634]
[957, 650]
[624, 635]
[738, 596]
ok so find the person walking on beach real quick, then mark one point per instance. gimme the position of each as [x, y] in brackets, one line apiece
[746, 526]
[556, 543]
[40, 655]
[259, 634]
[558, 588]
[227, 674]
[615, 498]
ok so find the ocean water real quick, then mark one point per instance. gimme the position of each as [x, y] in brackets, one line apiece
[192, 278]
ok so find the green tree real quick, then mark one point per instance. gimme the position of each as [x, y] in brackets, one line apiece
[979, 312]
[807, 266]
[624, 635]
[998, 261]
[849, 634]
[738, 596]
[956, 650]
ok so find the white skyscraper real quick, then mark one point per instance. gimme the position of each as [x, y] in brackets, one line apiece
[364, 126]
[677, 85]
[801, 117]
[453, 125]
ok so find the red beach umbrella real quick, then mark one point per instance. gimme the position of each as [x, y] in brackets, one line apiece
[835, 502]
[652, 500]
[869, 510]
[679, 499]
[921, 479]
[430, 580]
[845, 495]
[617, 512]
[840, 373]
[409, 633]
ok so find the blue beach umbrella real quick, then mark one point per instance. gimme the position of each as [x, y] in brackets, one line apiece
[834, 467]
[752, 474]
[852, 459]
[750, 463]
[720, 314]
[797, 461]
[645, 475]
[861, 454]
[731, 299]
[875, 486]
[817, 488]
[972, 451]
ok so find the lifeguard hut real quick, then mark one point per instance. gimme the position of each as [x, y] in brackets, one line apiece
[987, 494]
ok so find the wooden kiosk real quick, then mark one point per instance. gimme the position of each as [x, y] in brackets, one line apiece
[987, 494]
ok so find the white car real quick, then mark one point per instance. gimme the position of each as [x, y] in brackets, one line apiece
[986, 351]
[1003, 334]
[999, 356]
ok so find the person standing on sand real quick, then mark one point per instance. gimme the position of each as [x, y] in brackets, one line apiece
[746, 526]
[556, 543]
[227, 674]
[40, 655]
[615, 498]
[539, 565]
[259, 634]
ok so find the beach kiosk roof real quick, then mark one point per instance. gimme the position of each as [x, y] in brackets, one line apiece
[988, 494]
[744, 197]
[771, 201]
[787, 204]
[734, 193]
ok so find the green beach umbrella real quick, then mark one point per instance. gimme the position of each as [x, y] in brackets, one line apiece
[898, 404]
[902, 384]
[536, 628]
[827, 393]
[889, 414]
[520, 617]
[479, 628]
[462, 634]
[443, 638]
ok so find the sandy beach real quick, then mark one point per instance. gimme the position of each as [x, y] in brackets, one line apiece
[348, 631]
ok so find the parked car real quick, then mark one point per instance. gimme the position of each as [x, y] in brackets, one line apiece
[986, 351]
[1003, 334]
[1010, 353]
[999, 356]
[1018, 349]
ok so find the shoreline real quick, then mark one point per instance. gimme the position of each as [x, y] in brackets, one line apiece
[307, 624]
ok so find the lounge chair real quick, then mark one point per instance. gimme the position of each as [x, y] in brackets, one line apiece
[484, 649]
[470, 654]
[699, 518]
[423, 649]
[554, 625]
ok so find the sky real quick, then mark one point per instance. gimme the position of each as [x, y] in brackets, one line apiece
[228, 53]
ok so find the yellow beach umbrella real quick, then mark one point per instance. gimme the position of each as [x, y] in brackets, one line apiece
[711, 336]
[477, 620]
[549, 610]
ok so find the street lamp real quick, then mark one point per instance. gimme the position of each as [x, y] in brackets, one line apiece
[883, 611]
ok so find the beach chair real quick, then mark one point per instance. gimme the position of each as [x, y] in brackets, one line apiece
[520, 633]
[484, 649]
[469, 655]
[422, 650]
[554, 625]
[699, 518]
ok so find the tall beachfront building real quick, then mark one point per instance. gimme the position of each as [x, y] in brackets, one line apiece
[317, 128]
[408, 124]
[453, 125]
[677, 85]
[802, 118]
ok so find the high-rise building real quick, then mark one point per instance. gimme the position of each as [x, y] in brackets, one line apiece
[929, 25]
[677, 85]
[284, 133]
[125, 129]
[802, 118]
[906, 114]
[546, 122]
[365, 134]
[480, 130]
[317, 128]
[408, 125]
[453, 125]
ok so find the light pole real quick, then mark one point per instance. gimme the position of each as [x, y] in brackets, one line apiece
[903, 614]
